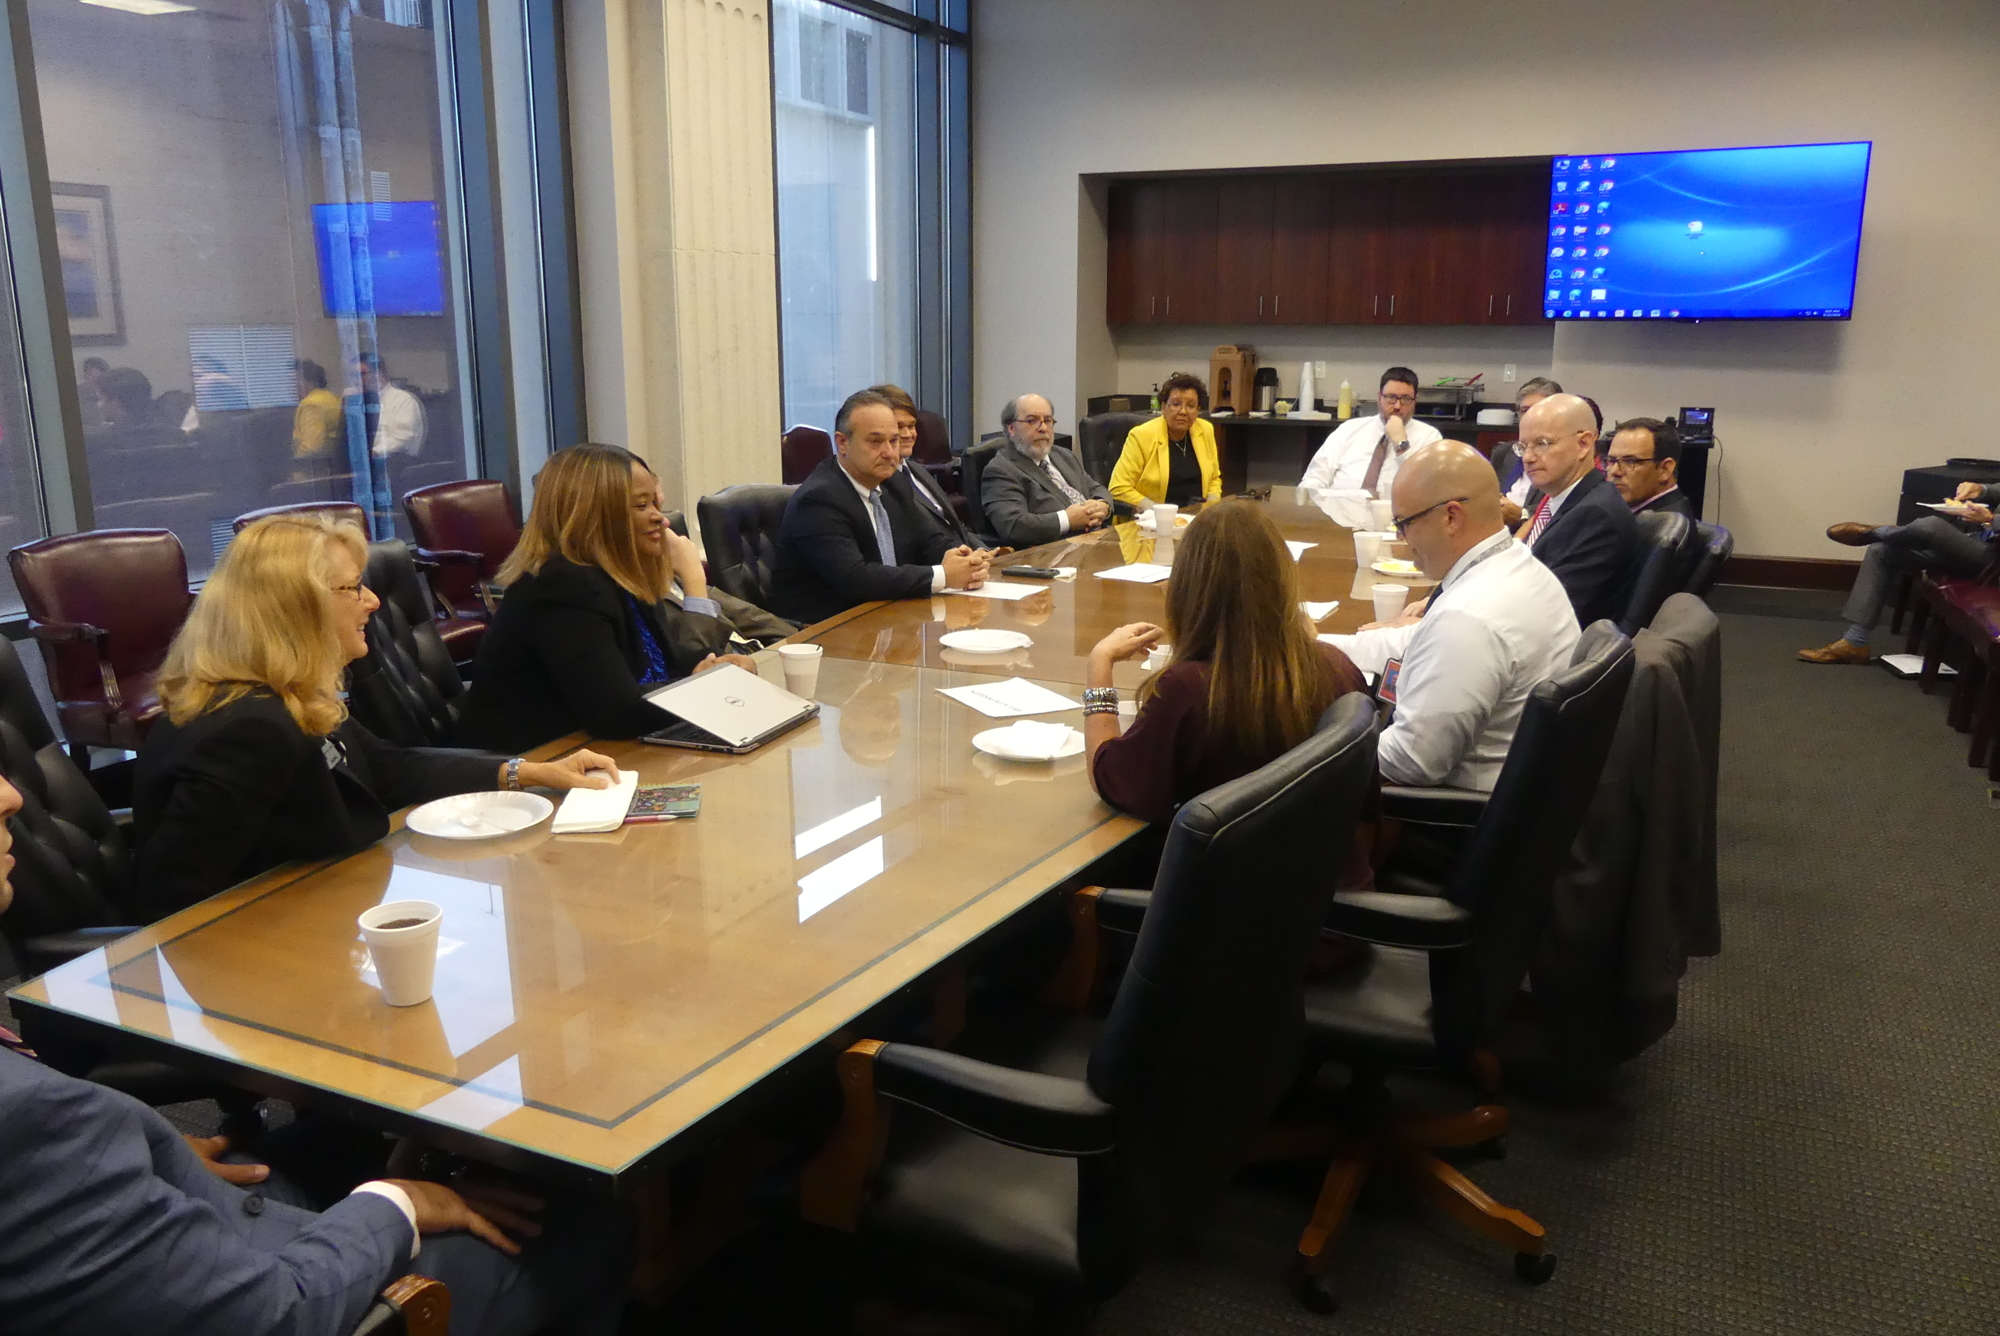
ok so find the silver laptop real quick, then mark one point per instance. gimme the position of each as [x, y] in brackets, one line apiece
[727, 709]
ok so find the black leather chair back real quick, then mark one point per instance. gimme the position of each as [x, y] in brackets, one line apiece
[1523, 839]
[406, 690]
[801, 450]
[1207, 1029]
[739, 531]
[971, 471]
[1101, 439]
[1718, 546]
[62, 878]
[1666, 554]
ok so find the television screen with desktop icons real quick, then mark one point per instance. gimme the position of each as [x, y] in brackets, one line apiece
[1706, 234]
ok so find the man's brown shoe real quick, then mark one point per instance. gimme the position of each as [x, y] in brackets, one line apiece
[1852, 534]
[1840, 651]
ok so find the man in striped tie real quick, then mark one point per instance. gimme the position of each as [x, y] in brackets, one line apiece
[1581, 528]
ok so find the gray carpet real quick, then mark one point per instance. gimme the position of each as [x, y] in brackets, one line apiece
[1816, 1146]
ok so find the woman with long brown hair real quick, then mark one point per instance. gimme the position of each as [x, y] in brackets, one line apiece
[603, 602]
[1246, 682]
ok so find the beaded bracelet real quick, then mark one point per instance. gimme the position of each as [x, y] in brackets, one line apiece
[1101, 707]
[1101, 696]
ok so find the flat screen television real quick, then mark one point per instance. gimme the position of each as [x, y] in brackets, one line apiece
[404, 250]
[1706, 234]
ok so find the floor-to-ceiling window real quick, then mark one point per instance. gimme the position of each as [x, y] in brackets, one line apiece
[866, 141]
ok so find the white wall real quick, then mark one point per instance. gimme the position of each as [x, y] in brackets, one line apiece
[1816, 421]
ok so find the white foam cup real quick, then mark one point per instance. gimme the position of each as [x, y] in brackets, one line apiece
[405, 957]
[1383, 513]
[1366, 546]
[1163, 519]
[801, 664]
[1389, 601]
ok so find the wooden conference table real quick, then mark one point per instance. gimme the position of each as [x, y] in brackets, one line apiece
[600, 998]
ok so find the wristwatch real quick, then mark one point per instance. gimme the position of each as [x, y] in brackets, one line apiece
[514, 773]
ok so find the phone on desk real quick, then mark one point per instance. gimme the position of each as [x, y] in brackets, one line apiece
[1032, 572]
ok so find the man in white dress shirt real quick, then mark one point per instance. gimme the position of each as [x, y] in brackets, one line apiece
[1498, 624]
[1359, 460]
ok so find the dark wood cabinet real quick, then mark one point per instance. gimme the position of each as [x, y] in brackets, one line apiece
[1401, 246]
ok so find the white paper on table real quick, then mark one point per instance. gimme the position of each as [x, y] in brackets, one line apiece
[1318, 612]
[1005, 700]
[1007, 589]
[1033, 740]
[597, 809]
[1141, 572]
[1298, 548]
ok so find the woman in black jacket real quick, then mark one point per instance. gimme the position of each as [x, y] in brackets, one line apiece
[603, 603]
[256, 762]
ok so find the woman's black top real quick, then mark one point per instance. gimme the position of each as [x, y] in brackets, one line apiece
[1183, 473]
[564, 655]
[243, 789]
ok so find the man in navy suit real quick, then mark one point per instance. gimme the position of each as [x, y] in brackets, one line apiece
[1581, 528]
[913, 482]
[112, 1222]
[848, 538]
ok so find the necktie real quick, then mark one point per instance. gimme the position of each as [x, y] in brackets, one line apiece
[921, 490]
[1076, 498]
[1380, 457]
[885, 538]
[1541, 522]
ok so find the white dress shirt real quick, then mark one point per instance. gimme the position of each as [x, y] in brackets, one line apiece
[1341, 463]
[399, 422]
[1499, 625]
[867, 508]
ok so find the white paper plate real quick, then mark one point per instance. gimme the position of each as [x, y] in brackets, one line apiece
[1409, 570]
[480, 816]
[985, 642]
[992, 742]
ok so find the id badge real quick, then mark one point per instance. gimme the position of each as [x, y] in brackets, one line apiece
[1385, 690]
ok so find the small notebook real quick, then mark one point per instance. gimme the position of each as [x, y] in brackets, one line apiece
[596, 809]
[665, 802]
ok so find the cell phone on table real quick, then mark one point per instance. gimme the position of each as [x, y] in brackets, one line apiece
[1032, 572]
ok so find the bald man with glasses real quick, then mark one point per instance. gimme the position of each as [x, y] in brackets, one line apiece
[1498, 624]
[1581, 528]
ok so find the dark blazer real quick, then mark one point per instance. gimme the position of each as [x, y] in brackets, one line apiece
[563, 655]
[827, 559]
[1021, 500]
[110, 1223]
[913, 478]
[243, 789]
[1591, 545]
[1674, 502]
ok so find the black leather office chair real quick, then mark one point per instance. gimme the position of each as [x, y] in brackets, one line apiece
[1061, 1176]
[1444, 964]
[1669, 548]
[1101, 439]
[739, 530]
[407, 689]
[971, 469]
[1720, 545]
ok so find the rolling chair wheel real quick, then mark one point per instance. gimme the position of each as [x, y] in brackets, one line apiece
[1315, 1292]
[1535, 1268]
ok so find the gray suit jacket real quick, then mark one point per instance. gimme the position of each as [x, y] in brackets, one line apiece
[110, 1223]
[1021, 500]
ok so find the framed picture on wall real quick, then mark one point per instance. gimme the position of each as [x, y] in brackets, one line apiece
[89, 263]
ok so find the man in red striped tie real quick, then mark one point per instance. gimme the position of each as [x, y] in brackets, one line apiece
[1581, 529]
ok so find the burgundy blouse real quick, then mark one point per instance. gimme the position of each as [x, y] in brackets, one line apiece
[1166, 757]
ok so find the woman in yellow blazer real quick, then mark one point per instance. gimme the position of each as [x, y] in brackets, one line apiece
[1172, 458]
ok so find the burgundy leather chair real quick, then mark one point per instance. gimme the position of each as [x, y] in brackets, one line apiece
[342, 511]
[464, 531]
[803, 449]
[104, 605]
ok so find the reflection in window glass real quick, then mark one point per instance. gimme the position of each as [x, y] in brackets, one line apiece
[251, 210]
[21, 518]
[847, 262]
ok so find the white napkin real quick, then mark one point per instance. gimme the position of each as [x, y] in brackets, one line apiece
[597, 809]
[1299, 549]
[1032, 740]
[1318, 612]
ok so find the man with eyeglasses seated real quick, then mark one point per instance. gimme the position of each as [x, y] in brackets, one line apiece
[1359, 460]
[1644, 464]
[1581, 528]
[1498, 624]
[1032, 492]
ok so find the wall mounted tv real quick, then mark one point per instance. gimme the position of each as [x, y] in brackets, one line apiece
[405, 257]
[1706, 234]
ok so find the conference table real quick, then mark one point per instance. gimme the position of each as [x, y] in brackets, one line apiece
[604, 1001]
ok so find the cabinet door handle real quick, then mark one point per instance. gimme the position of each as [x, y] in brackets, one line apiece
[1170, 306]
[1378, 305]
[1510, 303]
[1260, 306]
[1274, 306]
[1489, 303]
[1392, 303]
[1156, 306]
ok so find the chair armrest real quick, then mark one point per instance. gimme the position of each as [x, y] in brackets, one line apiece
[72, 633]
[1093, 911]
[1424, 922]
[1050, 1115]
[1123, 910]
[413, 1305]
[446, 556]
[43, 953]
[1433, 807]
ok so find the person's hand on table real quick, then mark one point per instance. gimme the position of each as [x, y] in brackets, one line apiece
[743, 661]
[1412, 612]
[1081, 516]
[440, 1210]
[965, 568]
[1130, 641]
[578, 770]
[210, 1150]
